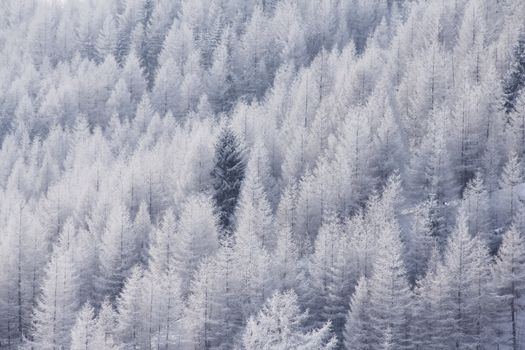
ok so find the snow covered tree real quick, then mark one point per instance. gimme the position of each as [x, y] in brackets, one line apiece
[509, 282]
[142, 228]
[130, 304]
[116, 252]
[251, 265]
[107, 324]
[476, 204]
[211, 314]
[390, 295]
[511, 177]
[219, 82]
[164, 283]
[279, 325]
[107, 39]
[254, 212]
[134, 78]
[197, 237]
[85, 335]
[57, 305]
[419, 241]
[331, 276]
[285, 258]
[166, 91]
[467, 299]
[358, 327]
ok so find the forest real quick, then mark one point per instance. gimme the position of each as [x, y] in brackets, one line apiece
[262, 174]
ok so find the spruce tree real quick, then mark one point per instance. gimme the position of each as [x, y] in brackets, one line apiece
[509, 282]
[228, 174]
[358, 328]
[465, 304]
[511, 178]
[85, 335]
[130, 307]
[515, 79]
[390, 295]
[475, 202]
[54, 314]
[279, 326]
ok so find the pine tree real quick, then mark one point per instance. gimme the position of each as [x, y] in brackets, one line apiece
[219, 82]
[130, 308]
[228, 175]
[84, 264]
[511, 177]
[279, 325]
[85, 335]
[55, 313]
[509, 282]
[390, 295]
[116, 252]
[197, 238]
[163, 278]
[428, 310]
[467, 298]
[358, 328]
[285, 259]
[419, 241]
[476, 204]
[15, 256]
[210, 317]
[134, 78]
[107, 39]
[142, 228]
[342, 282]
[515, 78]
[326, 252]
[254, 212]
[166, 91]
[107, 324]
[251, 265]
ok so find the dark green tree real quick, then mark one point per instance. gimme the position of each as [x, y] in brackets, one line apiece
[228, 174]
[515, 78]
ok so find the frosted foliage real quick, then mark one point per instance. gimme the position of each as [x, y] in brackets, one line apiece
[262, 174]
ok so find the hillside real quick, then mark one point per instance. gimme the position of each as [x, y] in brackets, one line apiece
[262, 174]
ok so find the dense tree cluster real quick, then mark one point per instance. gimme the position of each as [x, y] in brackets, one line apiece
[262, 174]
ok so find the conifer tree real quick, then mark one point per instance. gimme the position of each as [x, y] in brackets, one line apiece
[326, 252]
[254, 212]
[515, 78]
[85, 335]
[467, 297]
[142, 228]
[116, 252]
[358, 327]
[418, 242]
[476, 204]
[390, 295]
[285, 258]
[197, 238]
[55, 313]
[211, 314]
[164, 283]
[279, 326]
[228, 175]
[107, 324]
[511, 177]
[130, 310]
[509, 282]
[106, 42]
